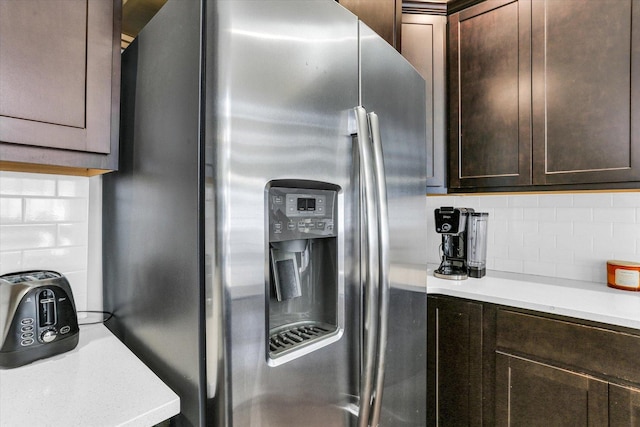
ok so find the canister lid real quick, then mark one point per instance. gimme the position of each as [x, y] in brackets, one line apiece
[623, 263]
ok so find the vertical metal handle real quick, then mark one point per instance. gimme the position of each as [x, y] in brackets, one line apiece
[371, 270]
[384, 265]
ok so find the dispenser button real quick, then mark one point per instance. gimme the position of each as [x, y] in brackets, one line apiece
[277, 227]
[291, 225]
[27, 321]
[26, 342]
[65, 329]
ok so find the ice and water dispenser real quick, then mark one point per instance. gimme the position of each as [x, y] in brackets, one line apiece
[302, 290]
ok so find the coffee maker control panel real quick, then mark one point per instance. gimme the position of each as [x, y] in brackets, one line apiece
[450, 220]
[301, 213]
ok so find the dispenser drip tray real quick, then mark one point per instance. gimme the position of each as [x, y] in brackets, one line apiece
[292, 336]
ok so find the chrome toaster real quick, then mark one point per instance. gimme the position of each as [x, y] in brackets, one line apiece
[37, 317]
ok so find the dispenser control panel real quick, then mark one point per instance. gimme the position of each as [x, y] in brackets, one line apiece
[301, 213]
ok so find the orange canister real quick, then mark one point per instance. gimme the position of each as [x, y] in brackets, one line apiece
[623, 275]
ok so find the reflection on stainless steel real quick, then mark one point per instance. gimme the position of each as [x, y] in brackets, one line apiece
[250, 328]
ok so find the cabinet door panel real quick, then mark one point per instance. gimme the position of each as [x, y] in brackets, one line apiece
[455, 365]
[42, 61]
[624, 406]
[534, 394]
[58, 75]
[582, 102]
[489, 55]
[423, 45]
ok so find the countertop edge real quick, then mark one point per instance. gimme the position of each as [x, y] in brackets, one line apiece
[589, 301]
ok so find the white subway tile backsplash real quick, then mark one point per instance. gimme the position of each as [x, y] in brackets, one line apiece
[574, 214]
[608, 244]
[556, 228]
[72, 187]
[566, 235]
[614, 215]
[581, 243]
[13, 184]
[540, 214]
[10, 210]
[19, 236]
[522, 201]
[596, 229]
[509, 265]
[590, 200]
[44, 223]
[517, 226]
[625, 200]
[55, 210]
[621, 229]
[540, 268]
[75, 234]
[57, 259]
[10, 261]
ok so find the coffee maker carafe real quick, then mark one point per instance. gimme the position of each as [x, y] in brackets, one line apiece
[464, 242]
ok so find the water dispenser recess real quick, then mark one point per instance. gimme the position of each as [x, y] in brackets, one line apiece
[302, 287]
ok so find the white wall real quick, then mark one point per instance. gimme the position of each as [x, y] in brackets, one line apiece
[53, 222]
[559, 235]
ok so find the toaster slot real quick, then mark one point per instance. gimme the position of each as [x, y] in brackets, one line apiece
[46, 308]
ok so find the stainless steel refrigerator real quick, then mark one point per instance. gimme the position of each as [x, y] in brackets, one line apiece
[265, 237]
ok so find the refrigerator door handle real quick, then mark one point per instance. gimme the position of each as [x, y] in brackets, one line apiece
[370, 258]
[384, 266]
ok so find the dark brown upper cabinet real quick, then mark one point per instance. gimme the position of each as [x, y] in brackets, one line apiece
[544, 94]
[59, 85]
[382, 16]
[424, 46]
[490, 95]
[586, 91]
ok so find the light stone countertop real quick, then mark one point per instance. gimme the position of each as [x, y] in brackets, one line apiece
[583, 300]
[99, 383]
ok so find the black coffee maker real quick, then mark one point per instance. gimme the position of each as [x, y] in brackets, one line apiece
[464, 242]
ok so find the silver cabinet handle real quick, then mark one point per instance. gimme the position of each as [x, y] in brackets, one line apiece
[384, 265]
[371, 267]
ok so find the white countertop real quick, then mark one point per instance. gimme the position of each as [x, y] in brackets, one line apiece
[573, 298]
[99, 383]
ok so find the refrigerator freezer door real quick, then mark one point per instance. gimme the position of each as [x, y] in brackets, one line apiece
[392, 89]
[281, 79]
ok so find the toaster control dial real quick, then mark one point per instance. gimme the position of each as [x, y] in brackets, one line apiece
[48, 335]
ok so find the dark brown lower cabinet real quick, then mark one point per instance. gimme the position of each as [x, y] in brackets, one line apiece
[529, 393]
[454, 362]
[492, 365]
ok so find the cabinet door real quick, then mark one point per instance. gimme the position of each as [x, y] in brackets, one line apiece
[454, 362]
[624, 406]
[382, 16]
[586, 91]
[490, 95]
[59, 81]
[534, 394]
[423, 45]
